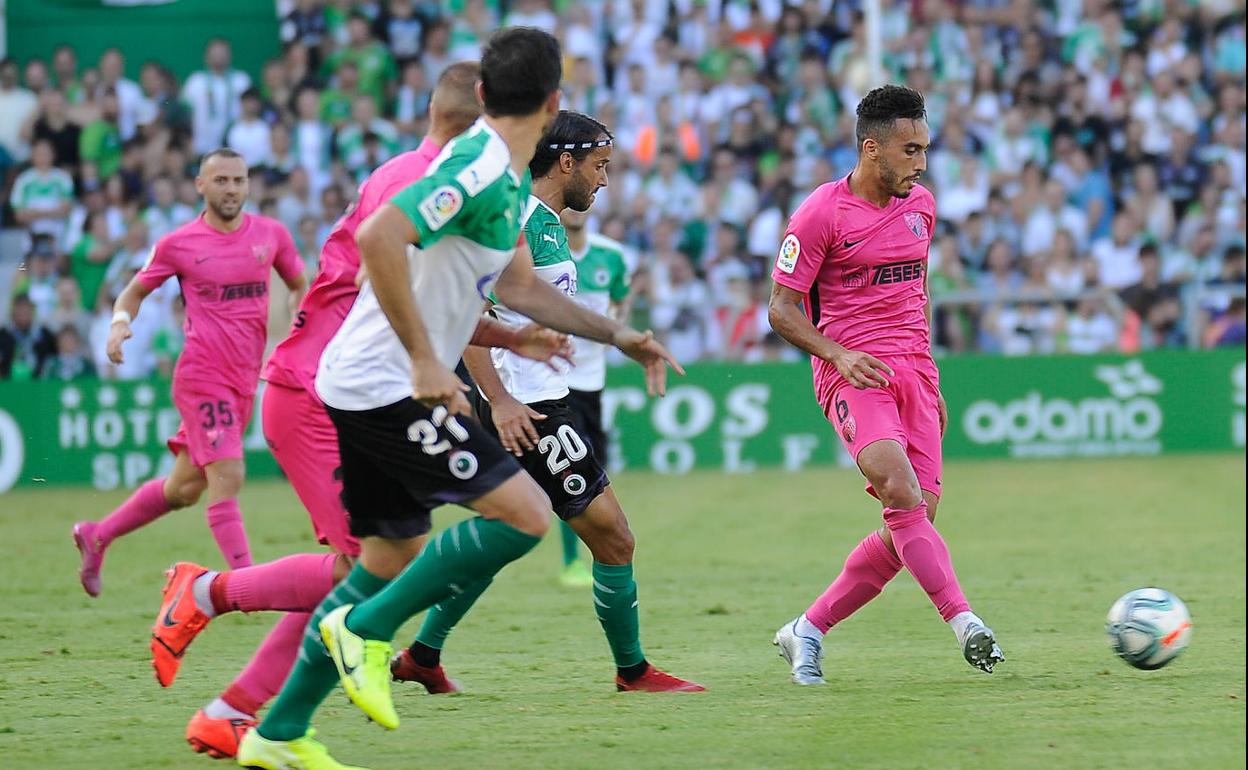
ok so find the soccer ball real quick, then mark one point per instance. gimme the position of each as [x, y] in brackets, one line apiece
[1149, 627]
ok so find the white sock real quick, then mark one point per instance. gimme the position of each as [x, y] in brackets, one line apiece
[219, 709]
[202, 591]
[803, 627]
[960, 622]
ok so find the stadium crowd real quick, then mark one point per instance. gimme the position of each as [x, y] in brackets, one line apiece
[1088, 160]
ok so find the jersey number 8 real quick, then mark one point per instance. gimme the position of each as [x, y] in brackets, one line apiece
[568, 442]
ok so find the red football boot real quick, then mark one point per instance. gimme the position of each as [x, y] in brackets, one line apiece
[180, 620]
[218, 738]
[656, 680]
[434, 679]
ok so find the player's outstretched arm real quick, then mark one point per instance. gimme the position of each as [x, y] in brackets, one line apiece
[124, 310]
[382, 240]
[298, 286]
[512, 419]
[787, 318]
[531, 341]
[520, 289]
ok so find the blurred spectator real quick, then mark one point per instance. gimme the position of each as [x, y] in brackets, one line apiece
[214, 95]
[25, 346]
[1153, 302]
[70, 362]
[165, 213]
[43, 194]
[1024, 329]
[374, 65]
[681, 310]
[1116, 257]
[99, 145]
[17, 104]
[1090, 328]
[1227, 329]
[249, 135]
[90, 258]
[129, 96]
[68, 308]
[53, 124]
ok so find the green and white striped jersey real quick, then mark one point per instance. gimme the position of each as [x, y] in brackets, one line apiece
[603, 275]
[467, 212]
[526, 380]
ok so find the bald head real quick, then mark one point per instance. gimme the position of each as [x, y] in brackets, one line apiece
[454, 105]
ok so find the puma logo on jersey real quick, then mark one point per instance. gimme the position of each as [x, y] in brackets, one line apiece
[550, 238]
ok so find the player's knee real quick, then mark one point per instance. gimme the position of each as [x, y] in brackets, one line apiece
[899, 491]
[533, 516]
[620, 546]
[226, 481]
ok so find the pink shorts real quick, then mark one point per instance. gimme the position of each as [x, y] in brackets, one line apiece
[214, 419]
[305, 444]
[907, 411]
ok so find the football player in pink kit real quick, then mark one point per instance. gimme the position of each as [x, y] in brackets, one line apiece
[305, 444]
[222, 261]
[850, 290]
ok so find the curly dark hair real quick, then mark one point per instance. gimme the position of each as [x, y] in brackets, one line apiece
[882, 106]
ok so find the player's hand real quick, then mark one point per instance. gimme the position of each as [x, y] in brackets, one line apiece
[433, 384]
[862, 370]
[118, 333]
[542, 344]
[361, 276]
[944, 413]
[514, 422]
[643, 348]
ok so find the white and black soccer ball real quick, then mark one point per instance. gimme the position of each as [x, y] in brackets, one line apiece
[1149, 627]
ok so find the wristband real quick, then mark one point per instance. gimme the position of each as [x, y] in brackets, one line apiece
[122, 317]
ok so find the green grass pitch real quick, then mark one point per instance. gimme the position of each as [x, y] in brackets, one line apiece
[1042, 550]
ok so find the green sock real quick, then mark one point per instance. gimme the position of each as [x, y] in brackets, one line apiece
[313, 677]
[470, 551]
[443, 616]
[615, 600]
[571, 542]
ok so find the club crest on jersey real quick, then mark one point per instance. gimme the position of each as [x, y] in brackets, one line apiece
[916, 223]
[790, 249]
[601, 277]
[260, 251]
[440, 206]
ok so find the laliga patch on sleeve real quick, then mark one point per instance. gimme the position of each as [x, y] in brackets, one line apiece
[790, 249]
[441, 206]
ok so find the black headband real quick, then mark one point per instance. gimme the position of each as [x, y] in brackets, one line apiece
[580, 145]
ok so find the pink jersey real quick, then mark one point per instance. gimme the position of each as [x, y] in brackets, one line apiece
[225, 283]
[862, 269]
[294, 361]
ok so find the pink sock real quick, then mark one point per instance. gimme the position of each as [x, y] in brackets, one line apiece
[143, 507]
[925, 554]
[267, 670]
[292, 584]
[868, 568]
[226, 522]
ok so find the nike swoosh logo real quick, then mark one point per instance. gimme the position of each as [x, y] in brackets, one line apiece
[851, 244]
[168, 618]
[199, 260]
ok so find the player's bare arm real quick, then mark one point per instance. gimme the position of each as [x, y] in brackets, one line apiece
[513, 419]
[520, 289]
[784, 311]
[298, 286]
[124, 310]
[383, 240]
[531, 341]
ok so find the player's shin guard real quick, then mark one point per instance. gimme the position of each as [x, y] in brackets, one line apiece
[269, 666]
[868, 568]
[314, 676]
[615, 603]
[443, 616]
[470, 551]
[226, 522]
[925, 554]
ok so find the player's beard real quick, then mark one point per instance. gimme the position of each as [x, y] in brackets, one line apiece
[226, 211]
[579, 195]
[891, 180]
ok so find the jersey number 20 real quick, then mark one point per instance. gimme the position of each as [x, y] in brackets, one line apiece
[568, 442]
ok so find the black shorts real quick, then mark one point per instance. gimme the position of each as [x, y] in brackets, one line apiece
[401, 461]
[563, 464]
[587, 410]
